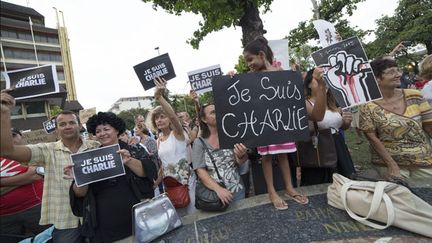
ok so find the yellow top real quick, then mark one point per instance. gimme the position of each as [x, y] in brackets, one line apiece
[402, 135]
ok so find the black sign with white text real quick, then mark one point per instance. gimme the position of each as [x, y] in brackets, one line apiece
[160, 66]
[97, 165]
[259, 109]
[348, 73]
[32, 82]
[49, 125]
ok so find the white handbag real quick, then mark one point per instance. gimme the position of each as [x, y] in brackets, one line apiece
[382, 201]
[153, 218]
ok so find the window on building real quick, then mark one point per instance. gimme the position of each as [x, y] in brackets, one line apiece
[28, 55]
[19, 54]
[41, 38]
[55, 57]
[43, 56]
[35, 108]
[26, 110]
[53, 40]
[8, 34]
[25, 36]
[60, 75]
[8, 53]
[17, 110]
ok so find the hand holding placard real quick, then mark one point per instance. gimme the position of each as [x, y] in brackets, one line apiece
[160, 87]
[194, 96]
[68, 172]
[318, 74]
[7, 99]
[240, 152]
[125, 154]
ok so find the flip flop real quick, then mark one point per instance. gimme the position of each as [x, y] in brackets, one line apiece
[280, 208]
[297, 198]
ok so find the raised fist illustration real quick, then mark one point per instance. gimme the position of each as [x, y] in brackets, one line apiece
[345, 73]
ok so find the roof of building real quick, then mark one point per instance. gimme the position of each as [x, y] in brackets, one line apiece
[72, 105]
[10, 8]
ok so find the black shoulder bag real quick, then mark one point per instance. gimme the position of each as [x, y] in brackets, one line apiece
[205, 198]
[319, 151]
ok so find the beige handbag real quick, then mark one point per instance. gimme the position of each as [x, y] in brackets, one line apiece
[385, 202]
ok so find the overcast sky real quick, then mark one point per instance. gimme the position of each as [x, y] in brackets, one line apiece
[107, 38]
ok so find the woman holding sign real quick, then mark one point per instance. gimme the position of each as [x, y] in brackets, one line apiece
[173, 146]
[106, 205]
[259, 56]
[206, 151]
[334, 119]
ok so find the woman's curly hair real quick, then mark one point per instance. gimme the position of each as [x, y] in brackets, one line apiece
[103, 118]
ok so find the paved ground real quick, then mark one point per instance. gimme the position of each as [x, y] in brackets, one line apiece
[255, 220]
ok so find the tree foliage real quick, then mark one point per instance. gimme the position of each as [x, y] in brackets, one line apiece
[333, 11]
[302, 56]
[241, 66]
[412, 21]
[183, 103]
[218, 14]
[55, 110]
[129, 116]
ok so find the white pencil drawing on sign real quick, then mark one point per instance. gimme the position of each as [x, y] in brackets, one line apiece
[347, 73]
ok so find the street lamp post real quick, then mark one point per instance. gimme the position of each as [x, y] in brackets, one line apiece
[157, 48]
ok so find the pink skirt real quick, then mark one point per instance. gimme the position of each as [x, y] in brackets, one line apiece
[277, 149]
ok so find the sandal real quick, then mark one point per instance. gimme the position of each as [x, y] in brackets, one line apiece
[282, 204]
[298, 198]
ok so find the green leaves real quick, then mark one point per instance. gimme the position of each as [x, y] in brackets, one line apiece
[333, 11]
[216, 14]
[411, 22]
[129, 115]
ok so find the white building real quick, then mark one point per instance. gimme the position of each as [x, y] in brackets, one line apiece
[127, 103]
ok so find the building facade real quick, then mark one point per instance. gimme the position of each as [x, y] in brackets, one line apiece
[127, 103]
[26, 42]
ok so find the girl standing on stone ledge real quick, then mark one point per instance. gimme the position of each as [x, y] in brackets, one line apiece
[259, 56]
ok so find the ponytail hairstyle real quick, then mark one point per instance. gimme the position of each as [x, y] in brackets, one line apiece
[260, 44]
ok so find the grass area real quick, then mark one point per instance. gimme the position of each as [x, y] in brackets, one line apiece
[359, 148]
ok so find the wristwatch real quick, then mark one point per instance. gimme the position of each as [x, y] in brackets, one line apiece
[40, 170]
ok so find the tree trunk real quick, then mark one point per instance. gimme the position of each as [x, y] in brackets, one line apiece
[315, 9]
[251, 23]
[429, 47]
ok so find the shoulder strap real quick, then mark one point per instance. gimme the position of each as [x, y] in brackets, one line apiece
[314, 123]
[211, 157]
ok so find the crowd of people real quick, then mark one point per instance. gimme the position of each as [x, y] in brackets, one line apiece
[398, 128]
